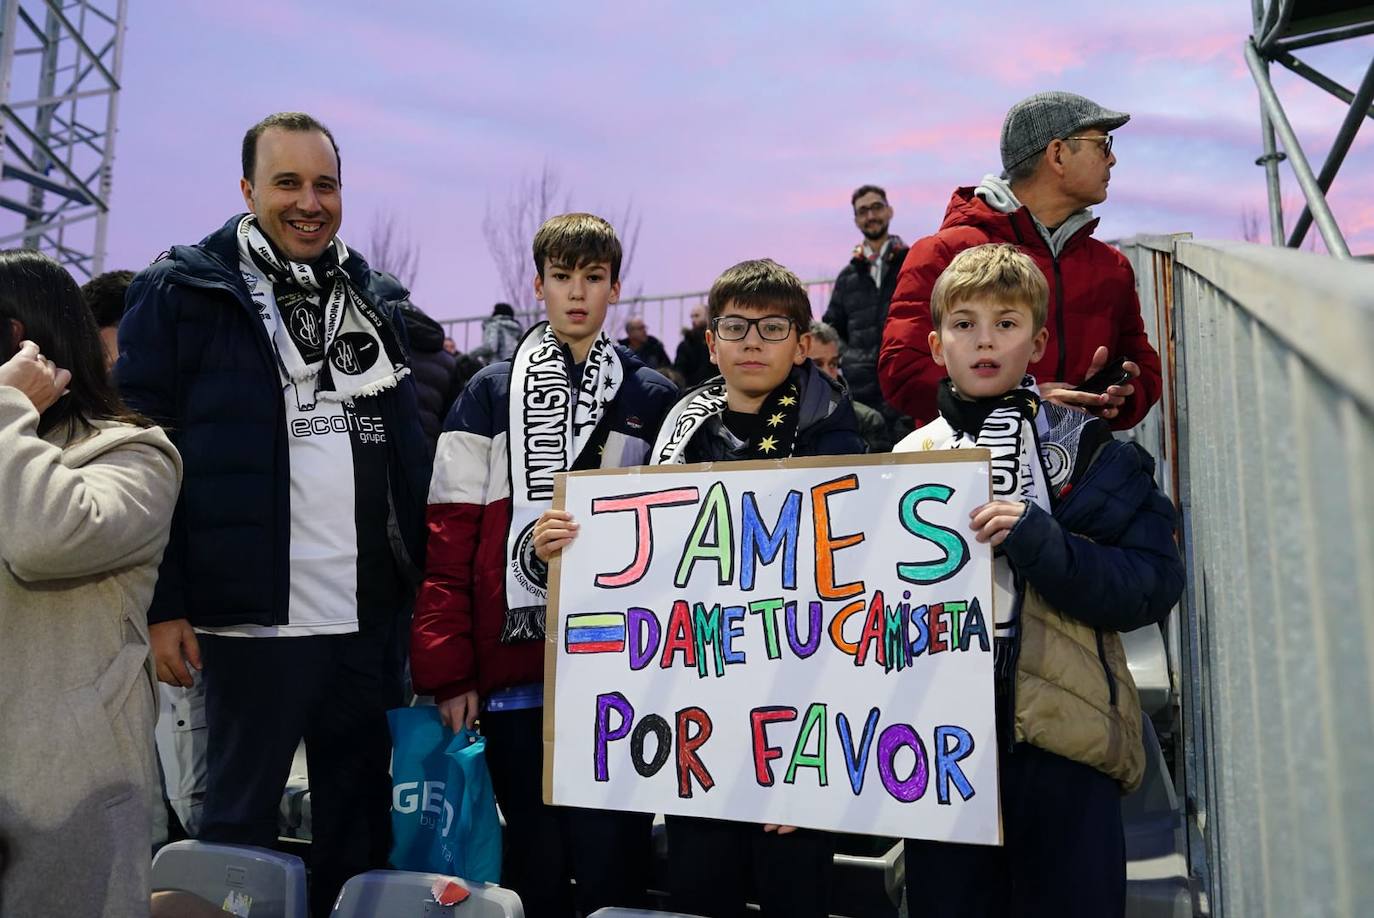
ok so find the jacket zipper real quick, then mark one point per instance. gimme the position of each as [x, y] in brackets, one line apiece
[1059, 317]
[1102, 656]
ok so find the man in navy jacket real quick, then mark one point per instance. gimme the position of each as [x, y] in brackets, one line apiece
[272, 355]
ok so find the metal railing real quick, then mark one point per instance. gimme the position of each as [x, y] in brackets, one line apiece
[1266, 440]
[665, 316]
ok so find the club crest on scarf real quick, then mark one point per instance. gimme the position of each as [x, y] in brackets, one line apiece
[331, 341]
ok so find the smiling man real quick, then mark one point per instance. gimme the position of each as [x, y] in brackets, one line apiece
[1057, 159]
[271, 353]
[859, 302]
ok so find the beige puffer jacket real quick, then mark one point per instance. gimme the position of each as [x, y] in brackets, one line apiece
[1068, 702]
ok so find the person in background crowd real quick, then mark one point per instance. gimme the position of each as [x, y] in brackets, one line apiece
[824, 351]
[87, 491]
[299, 534]
[1057, 160]
[433, 368]
[643, 345]
[500, 334]
[465, 366]
[693, 358]
[104, 296]
[859, 301]
[450, 346]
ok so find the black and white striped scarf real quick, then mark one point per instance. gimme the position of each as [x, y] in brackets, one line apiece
[315, 312]
[553, 428]
[1007, 427]
[780, 416]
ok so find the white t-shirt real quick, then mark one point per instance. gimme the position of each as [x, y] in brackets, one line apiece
[324, 550]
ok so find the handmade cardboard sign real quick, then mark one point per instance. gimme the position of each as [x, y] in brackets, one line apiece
[804, 642]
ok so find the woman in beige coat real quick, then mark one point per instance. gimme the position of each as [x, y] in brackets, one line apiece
[87, 490]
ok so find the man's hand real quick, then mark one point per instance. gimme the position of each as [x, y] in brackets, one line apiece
[554, 532]
[459, 711]
[993, 521]
[35, 375]
[781, 830]
[1105, 405]
[175, 645]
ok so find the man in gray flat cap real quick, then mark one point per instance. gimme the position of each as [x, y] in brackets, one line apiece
[1057, 160]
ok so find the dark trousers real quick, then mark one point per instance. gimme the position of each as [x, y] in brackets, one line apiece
[262, 697]
[1063, 852]
[715, 867]
[606, 852]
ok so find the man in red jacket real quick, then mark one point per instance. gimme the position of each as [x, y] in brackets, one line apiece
[1057, 159]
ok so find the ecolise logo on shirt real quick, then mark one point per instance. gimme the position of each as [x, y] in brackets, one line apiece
[368, 429]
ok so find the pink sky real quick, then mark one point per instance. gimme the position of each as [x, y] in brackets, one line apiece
[736, 130]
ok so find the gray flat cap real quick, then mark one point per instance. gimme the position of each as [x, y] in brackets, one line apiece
[1034, 121]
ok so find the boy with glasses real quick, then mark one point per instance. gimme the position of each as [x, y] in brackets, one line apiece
[769, 402]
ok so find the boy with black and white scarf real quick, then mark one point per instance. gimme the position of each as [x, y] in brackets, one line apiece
[1083, 550]
[569, 399]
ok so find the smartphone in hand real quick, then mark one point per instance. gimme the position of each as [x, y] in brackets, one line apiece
[1113, 374]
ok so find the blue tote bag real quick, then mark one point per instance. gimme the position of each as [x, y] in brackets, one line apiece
[443, 811]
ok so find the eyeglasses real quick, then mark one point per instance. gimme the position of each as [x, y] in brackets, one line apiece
[1104, 139]
[736, 328]
[876, 207]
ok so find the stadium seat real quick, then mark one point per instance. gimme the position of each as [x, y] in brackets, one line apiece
[1148, 662]
[269, 884]
[869, 876]
[402, 894]
[1157, 883]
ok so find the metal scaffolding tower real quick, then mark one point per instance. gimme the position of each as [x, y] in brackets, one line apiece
[60, 64]
[1282, 27]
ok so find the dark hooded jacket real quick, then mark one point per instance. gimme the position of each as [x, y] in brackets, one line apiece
[1092, 304]
[432, 367]
[693, 358]
[196, 358]
[858, 311]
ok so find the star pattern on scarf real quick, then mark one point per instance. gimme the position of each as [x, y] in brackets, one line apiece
[775, 420]
[787, 401]
[767, 445]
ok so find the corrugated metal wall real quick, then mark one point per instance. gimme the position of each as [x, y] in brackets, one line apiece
[1266, 439]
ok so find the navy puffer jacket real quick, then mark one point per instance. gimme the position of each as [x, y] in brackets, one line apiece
[196, 358]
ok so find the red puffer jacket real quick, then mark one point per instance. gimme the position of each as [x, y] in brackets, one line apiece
[1092, 303]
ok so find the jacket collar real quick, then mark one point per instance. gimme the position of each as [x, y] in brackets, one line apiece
[859, 259]
[966, 208]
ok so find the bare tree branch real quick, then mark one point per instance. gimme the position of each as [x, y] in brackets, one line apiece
[390, 248]
[1249, 224]
[509, 231]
